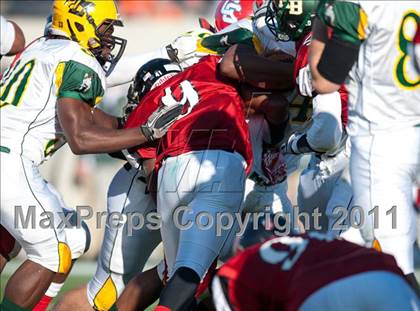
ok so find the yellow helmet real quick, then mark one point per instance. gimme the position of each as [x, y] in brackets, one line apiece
[90, 23]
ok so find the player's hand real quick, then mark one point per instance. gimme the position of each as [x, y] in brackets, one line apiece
[273, 164]
[158, 123]
[132, 102]
[304, 81]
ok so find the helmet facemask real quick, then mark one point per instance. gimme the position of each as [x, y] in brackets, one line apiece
[86, 22]
[288, 20]
[151, 75]
[105, 50]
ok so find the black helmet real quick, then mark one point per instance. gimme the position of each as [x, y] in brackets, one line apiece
[150, 75]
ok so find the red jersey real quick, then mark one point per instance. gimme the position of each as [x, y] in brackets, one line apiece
[282, 272]
[213, 116]
[302, 59]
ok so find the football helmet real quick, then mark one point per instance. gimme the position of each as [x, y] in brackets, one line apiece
[149, 76]
[290, 20]
[230, 11]
[90, 23]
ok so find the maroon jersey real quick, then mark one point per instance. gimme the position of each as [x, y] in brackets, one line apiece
[282, 272]
[213, 116]
[302, 59]
[416, 39]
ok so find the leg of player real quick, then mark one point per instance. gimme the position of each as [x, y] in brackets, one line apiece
[125, 248]
[382, 179]
[140, 292]
[3, 262]
[314, 190]
[200, 188]
[78, 239]
[30, 212]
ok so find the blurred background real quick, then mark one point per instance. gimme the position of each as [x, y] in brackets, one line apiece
[84, 180]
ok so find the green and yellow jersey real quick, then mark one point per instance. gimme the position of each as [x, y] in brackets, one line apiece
[46, 71]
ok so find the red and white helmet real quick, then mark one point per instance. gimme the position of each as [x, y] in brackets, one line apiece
[230, 11]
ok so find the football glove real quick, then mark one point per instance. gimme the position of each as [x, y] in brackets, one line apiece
[273, 164]
[132, 102]
[158, 123]
[183, 49]
[304, 81]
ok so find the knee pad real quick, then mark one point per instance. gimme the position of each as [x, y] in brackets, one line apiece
[64, 258]
[104, 289]
[51, 253]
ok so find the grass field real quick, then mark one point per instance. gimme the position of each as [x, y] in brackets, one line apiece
[80, 275]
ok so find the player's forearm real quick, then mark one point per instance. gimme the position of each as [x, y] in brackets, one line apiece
[242, 63]
[95, 139]
[103, 119]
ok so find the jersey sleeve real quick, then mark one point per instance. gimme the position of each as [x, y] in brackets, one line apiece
[220, 43]
[347, 19]
[78, 81]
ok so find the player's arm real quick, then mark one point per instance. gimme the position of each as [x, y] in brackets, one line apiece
[12, 39]
[85, 136]
[79, 89]
[242, 63]
[103, 119]
[332, 58]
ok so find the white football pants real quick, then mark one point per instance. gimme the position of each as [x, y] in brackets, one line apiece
[126, 246]
[383, 170]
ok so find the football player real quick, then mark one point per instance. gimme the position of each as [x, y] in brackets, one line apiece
[195, 161]
[311, 272]
[12, 40]
[384, 112]
[324, 184]
[124, 253]
[197, 248]
[319, 131]
[47, 98]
